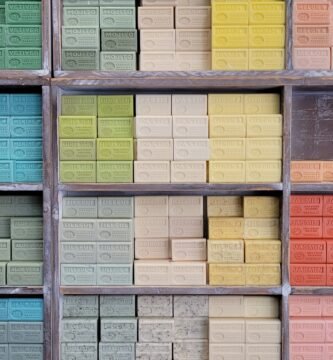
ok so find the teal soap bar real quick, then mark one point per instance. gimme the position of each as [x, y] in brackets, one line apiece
[113, 275]
[27, 250]
[4, 352]
[3, 332]
[26, 149]
[23, 36]
[5, 126]
[25, 309]
[23, 12]
[4, 104]
[117, 17]
[115, 253]
[23, 58]
[81, 16]
[76, 275]
[118, 61]
[79, 330]
[115, 207]
[4, 227]
[2, 14]
[2, 36]
[119, 351]
[25, 273]
[3, 268]
[78, 3]
[77, 149]
[25, 332]
[117, 305]
[117, 2]
[115, 230]
[79, 207]
[5, 149]
[26, 351]
[3, 309]
[5, 250]
[80, 59]
[6, 172]
[28, 171]
[83, 105]
[75, 37]
[115, 105]
[78, 252]
[119, 40]
[26, 228]
[79, 351]
[119, 330]
[80, 306]
[25, 105]
[25, 126]
[77, 230]
[115, 171]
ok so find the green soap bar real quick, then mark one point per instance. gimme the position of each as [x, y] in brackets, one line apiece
[2, 36]
[3, 266]
[3, 332]
[77, 127]
[4, 227]
[2, 14]
[26, 351]
[23, 12]
[5, 250]
[2, 58]
[23, 36]
[79, 207]
[79, 351]
[119, 40]
[79, 330]
[74, 37]
[116, 127]
[21, 205]
[114, 274]
[118, 17]
[117, 305]
[81, 16]
[80, 2]
[115, 230]
[78, 149]
[25, 332]
[119, 330]
[115, 253]
[115, 149]
[119, 351]
[25, 273]
[78, 171]
[117, 2]
[23, 58]
[26, 228]
[114, 171]
[115, 207]
[4, 352]
[115, 105]
[80, 306]
[80, 59]
[82, 105]
[118, 61]
[77, 230]
[77, 275]
[27, 250]
[78, 252]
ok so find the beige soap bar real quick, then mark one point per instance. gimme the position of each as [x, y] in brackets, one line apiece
[152, 172]
[189, 249]
[152, 249]
[261, 307]
[263, 331]
[226, 331]
[152, 272]
[186, 206]
[154, 149]
[151, 227]
[151, 206]
[153, 126]
[186, 227]
[263, 275]
[226, 306]
[227, 351]
[155, 306]
[158, 40]
[156, 330]
[226, 228]
[157, 61]
[158, 2]
[185, 172]
[267, 229]
[193, 39]
[189, 105]
[263, 351]
[150, 105]
[191, 149]
[190, 126]
[193, 60]
[196, 17]
[161, 17]
[188, 273]
[226, 251]
[261, 207]
[193, 2]
[225, 206]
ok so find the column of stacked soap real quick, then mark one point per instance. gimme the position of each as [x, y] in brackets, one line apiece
[169, 244]
[248, 35]
[21, 328]
[245, 138]
[20, 35]
[99, 35]
[311, 171]
[243, 245]
[96, 241]
[96, 139]
[21, 137]
[311, 327]
[312, 34]
[311, 244]
[244, 327]
[175, 35]
[171, 139]
[21, 244]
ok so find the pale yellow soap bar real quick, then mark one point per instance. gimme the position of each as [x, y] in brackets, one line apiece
[186, 172]
[264, 125]
[227, 126]
[263, 331]
[262, 171]
[266, 59]
[227, 331]
[225, 206]
[225, 251]
[228, 149]
[225, 104]
[261, 207]
[193, 60]
[191, 149]
[262, 104]
[266, 229]
[151, 206]
[189, 249]
[264, 148]
[263, 275]
[262, 251]
[230, 59]
[152, 249]
[152, 272]
[230, 37]
[186, 206]
[226, 306]
[226, 274]
[221, 228]
[226, 171]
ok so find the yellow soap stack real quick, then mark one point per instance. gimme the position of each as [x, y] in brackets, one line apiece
[248, 35]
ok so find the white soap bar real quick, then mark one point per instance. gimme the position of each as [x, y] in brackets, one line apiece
[186, 227]
[152, 172]
[185, 206]
[191, 149]
[151, 206]
[189, 105]
[189, 249]
[157, 60]
[151, 227]
[154, 149]
[153, 126]
[152, 249]
[188, 172]
[190, 126]
[158, 40]
[193, 60]
[149, 105]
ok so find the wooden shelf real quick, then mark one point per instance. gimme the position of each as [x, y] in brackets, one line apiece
[21, 187]
[25, 77]
[311, 290]
[29, 290]
[321, 188]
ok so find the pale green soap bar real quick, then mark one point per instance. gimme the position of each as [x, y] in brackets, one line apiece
[120, 127]
[77, 127]
[23, 12]
[117, 2]
[80, 3]
[79, 351]
[119, 351]
[119, 330]
[79, 330]
[115, 207]
[80, 306]
[77, 230]
[78, 171]
[27, 250]
[117, 305]
[114, 274]
[25, 332]
[5, 250]
[118, 61]
[3, 273]
[79, 207]
[26, 351]
[117, 17]
[80, 59]
[119, 40]
[83, 105]
[23, 35]
[26, 228]
[2, 14]
[4, 227]
[115, 230]
[77, 275]
[27, 205]
[115, 149]
[81, 16]
[25, 273]
[115, 253]
[4, 352]
[78, 252]
[115, 105]
[2, 36]
[114, 171]
[78, 149]
[2, 58]
[3, 332]
[75, 37]
[23, 58]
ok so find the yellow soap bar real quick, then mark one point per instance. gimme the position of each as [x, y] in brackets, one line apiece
[230, 59]
[225, 228]
[230, 37]
[230, 12]
[225, 206]
[225, 251]
[266, 59]
[227, 149]
[225, 104]
[269, 13]
[261, 207]
[264, 125]
[266, 36]
[266, 229]
[262, 252]
[226, 274]
[226, 172]
[263, 275]
[264, 148]
[269, 171]
[261, 104]
[225, 126]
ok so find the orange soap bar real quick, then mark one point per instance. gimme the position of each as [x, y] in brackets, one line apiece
[306, 227]
[306, 205]
[308, 352]
[312, 58]
[308, 274]
[305, 306]
[307, 330]
[328, 227]
[306, 171]
[328, 205]
[328, 167]
[307, 252]
[329, 275]
[312, 36]
[312, 12]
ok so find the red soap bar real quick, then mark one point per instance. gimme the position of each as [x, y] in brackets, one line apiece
[328, 227]
[307, 252]
[307, 330]
[312, 12]
[329, 275]
[308, 352]
[306, 205]
[306, 227]
[308, 275]
[329, 249]
[327, 305]
[328, 205]
[312, 36]
[306, 171]
[305, 306]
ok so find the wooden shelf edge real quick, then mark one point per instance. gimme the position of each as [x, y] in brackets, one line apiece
[25, 77]
[20, 187]
[323, 188]
[311, 290]
[29, 290]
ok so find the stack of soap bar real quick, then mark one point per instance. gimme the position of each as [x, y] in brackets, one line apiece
[21, 244]
[96, 139]
[175, 35]
[248, 35]
[311, 245]
[99, 35]
[172, 138]
[96, 241]
[244, 327]
[245, 132]
[21, 136]
[169, 244]
[311, 171]
[244, 246]
[21, 35]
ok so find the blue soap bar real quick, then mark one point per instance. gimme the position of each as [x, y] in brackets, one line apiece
[25, 104]
[25, 127]
[4, 127]
[26, 149]
[25, 310]
[4, 149]
[28, 171]
[4, 104]
[6, 171]
[3, 309]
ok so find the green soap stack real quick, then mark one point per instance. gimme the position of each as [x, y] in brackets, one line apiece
[99, 35]
[96, 139]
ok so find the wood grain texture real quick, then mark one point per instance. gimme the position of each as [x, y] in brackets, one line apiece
[26, 291]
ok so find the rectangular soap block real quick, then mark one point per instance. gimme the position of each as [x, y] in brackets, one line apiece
[112, 275]
[7, 172]
[152, 249]
[26, 149]
[186, 206]
[78, 253]
[23, 36]
[23, 351]
[79, 3]
[118, 61]
[151, 350]
[117, 2]
[25, 126]
[119, 40]
[264, 125]
[188, 172]
[327, 227]
[312, 12]
[329, 276]
[4, 104]
[21, 205]
[79, 207]
[263, 275]
[186, 227]
[27, 250]
[225, 206]
[3, 276]
[78, 171]
[156, 330]
[117, 305]
[5, 149]
[5, 250]
[115, 207]
[193, 349]
[311, 58]
[307, 330]
[26, 228]
[119, 330]
[312, 36]
[152, 172]
[264, 148]
[225, 104]
[263, 171]
[261, 104]
[75, 37]
[151, 206]
[4, 309]
[266, 59]
[314, 350]
[306, 171]
[190, 126]
[306, 205]
[233, 13]
[4, 227]
[226, 306]
[267, 229]
[78, 230]
[270, 13]
[225, 228]
[261, 307]
[263, 252]
[226, 274]
[305, 306]
[266, 36]
[327, 171]
[80, 306]
[228, 126]
[226, 171]
[79, 105]
[80, 59]
[192, 2]
[155, 306]
[193, 39]
[226, 331]
[264, 351]
[154, 149]
[76, 275]
[190, 306]
[76, 351]
[25, 332]
[191, 149]
[115, 149]
[229, 351]
[114, 171]
[186, 105]
[25, 273]
[263, 331]
[161, 17]
[152, 272]
[79, 330]
[153, 126]
[77, 149]
[158, 40]
[189, 249]
[115, 230]
[191, 328]
[81, 16]
[25, 309]
[306, 227]
[153, 105]
[307, 252]
[158, 2]
[115, 105]
[77, 127]
[117, 17]
[115, 127]
[158, 61]
[193, 17]
[22, 58]
[115, 253]
[308, 274]
[230, 37]
[118, 350]
[225, 251]
[151, 227]
[228, 149]
[193, 60]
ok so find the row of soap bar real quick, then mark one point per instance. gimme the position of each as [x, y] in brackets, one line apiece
[311, 171]
[20, 273]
